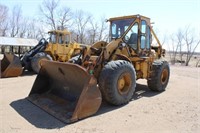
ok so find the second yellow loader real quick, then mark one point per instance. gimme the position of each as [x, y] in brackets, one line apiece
[58, 48]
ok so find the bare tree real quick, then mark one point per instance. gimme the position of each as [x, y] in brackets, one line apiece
[173, 48]
[98, 31]
[40, 33]
[81, 19]
[162, 37]
[179, 36]
[23, 28]
[3, 19]
[64, 17]
[177, 45]
[15, 19]
[191, 43]
[31, 29]
[92, 32]
[53, 15]
[48, 10]
[35, 29]
[103, 31]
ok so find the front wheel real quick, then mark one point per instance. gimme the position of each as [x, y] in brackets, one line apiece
[117, 82]
[36, 60]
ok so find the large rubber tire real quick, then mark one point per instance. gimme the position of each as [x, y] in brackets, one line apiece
[35, 62]
[29, 67]
[117, 82]
[159, 77]
[26, 63]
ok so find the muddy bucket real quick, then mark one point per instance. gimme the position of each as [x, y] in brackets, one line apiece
[10, 66]
[65, 91]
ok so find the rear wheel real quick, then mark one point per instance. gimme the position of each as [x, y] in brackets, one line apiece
[117, 82]
[160, 76]
[35, 62]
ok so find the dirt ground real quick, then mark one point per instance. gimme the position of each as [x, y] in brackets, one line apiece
[174, 111]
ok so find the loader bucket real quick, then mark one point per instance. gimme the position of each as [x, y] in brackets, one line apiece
[10, 66]
[65, 91]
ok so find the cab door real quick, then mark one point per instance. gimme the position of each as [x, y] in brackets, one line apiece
[144, 48]
[145, 36]
[61, 45]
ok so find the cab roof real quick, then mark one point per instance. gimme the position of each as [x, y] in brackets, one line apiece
[127, 17]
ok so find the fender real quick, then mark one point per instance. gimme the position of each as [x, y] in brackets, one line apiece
[122, 57]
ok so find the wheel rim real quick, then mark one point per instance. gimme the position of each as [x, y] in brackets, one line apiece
[164, 76]
[124, 83]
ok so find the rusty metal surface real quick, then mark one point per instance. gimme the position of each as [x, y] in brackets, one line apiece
[65, 91]
[10, 66]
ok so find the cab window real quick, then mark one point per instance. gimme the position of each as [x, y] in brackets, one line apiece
[60, 39]
[118, 27]
[52, 38]
[67, 39]
[145, 36]
[131, 37]
[148, 38]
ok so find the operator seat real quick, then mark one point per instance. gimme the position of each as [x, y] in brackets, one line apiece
[133, 41]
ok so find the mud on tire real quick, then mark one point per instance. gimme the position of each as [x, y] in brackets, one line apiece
[117, 82]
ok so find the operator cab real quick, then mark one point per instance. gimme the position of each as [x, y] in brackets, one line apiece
[59, 37]
[133, 30]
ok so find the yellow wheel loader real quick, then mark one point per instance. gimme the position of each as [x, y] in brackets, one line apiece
[72, 91]
[58, 48]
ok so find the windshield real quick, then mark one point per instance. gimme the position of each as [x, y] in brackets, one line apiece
[118, 27]
[52, 38]
[62, 39]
